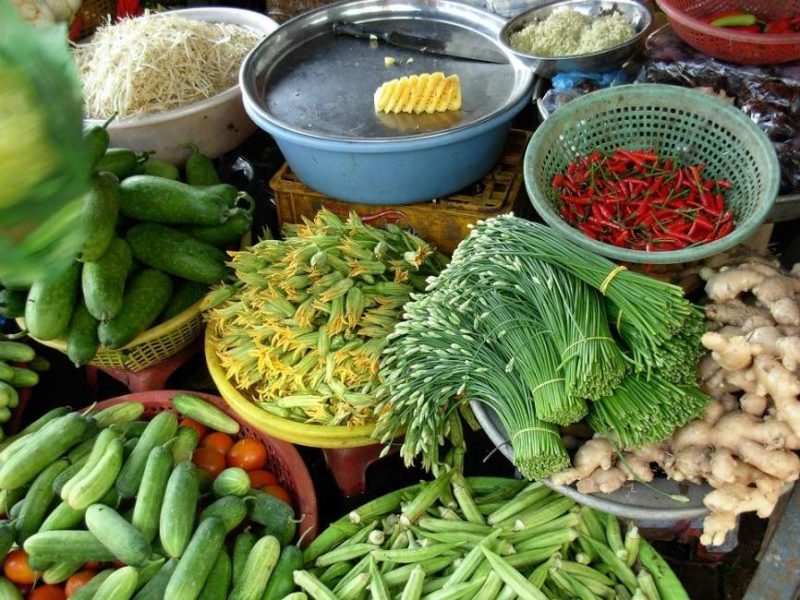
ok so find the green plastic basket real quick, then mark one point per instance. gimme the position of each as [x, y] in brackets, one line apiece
[677, 121]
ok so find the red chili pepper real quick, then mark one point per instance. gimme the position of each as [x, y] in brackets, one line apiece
[725, 229]
[778, 26]
[558, 180]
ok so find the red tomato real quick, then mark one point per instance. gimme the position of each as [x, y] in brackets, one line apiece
[221, 442]
[198, 427]
[209, 460]
[247, 454]
[278, 492]
[259, 479]
[48, 592]
[77, 581]
[17, 569]
[118, 564]
[93, 565]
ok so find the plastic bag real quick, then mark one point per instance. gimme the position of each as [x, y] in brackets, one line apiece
[44, 164]
[769, 95]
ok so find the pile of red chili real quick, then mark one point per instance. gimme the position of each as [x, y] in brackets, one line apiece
[639, 200]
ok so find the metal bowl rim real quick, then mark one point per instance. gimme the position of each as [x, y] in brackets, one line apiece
[504, 35]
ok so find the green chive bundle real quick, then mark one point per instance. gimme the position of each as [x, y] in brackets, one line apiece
[645, 411]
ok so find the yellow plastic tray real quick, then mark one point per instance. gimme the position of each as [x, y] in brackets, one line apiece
[148, 348]
[316, 436]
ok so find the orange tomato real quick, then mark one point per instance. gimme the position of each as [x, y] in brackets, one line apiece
[77, 580]
[209, 460]
[247, 454]
[198, 427]
[48, 592]
[278, 492]
[259, 479]
[17, 569]
[221, 442]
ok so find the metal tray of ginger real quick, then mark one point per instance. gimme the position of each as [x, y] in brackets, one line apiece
[309, 81]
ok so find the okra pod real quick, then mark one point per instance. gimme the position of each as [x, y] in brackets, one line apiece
[620, 568]
[448, 514]
[467, 589]
[396, 577]
[429, 494]
[335, 534]
[551, 538]
[597, 588]
[412, 555]
[490, 588]
[570, 520]
[632, 541]
[399, 539]
[433, 585]
[501, 493]
[593, 523]
[447, 537]
[377, 586]
[313, 586]
[533, 517]
[444, 525]
[296, 596]
[647, 584]
[465, 500]
[344, 553]
[471, 561]
[381, 506]
[621, 592]
[614, 537]
[413, 587]
[360, 567]
[528, 497]
[334, 573]
[639, 595]
[513, 578]
[567, 583]
[539, 575]
[584, 572]
[355, 588]
[667, 583]
[360, 536]
[484, 485]
[506, 593]
[530, 558]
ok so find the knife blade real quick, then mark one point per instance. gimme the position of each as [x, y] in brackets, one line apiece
[426, 45]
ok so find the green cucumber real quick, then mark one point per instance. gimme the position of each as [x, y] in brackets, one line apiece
[200, 169]
[12, 304]
[16, 509]
[44, 447]
[281, 582]
[161, 168]
[7, 536]
[157, 200]
[8, 395]
[57, 546]
[61, 517]
[120, 585]
[145, 297]
[219, 580]
[82, 342]
[61, 571]
[115, 533]
[232, 481]
[187, 294]
[99, 480]
[6, 372]
[103, 281]
[161, 429]
[23, 378]
[225, 191]
[238, 223]
[204, 412]
[176, 253]
[241, 550]
[38, 500]
[88, 591]
[62, 478]
[118, 414]
[50, 303]
[157, 586]
[184, 444]
[150, 570]
[231, 510]
[99, 444]
[9, 499]
[198, 561]
[277, 517]
[8, 591]
[97, 140]
[16, 352]
[101, 210]
[177, 517]
[257, 570]
[119, 161]
[36, 425]
[132, 430]
[147, 509]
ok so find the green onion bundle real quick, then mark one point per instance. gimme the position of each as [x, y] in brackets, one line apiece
[645, 411]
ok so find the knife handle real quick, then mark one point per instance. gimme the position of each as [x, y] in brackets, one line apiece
[358, 31]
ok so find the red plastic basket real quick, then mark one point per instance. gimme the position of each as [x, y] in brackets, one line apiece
[685, 16]
[282, 458]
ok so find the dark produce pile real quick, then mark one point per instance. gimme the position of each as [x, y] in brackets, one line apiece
[769, 95]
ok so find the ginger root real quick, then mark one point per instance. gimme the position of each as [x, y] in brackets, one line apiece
[743, 445]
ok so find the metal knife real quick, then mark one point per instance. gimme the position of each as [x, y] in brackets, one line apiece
[453, 48]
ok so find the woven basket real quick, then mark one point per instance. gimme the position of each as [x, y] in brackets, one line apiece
[316, 436]
[282, 458]
[149, 348]
[675, 121]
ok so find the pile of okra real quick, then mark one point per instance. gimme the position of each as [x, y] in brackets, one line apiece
[482, 538]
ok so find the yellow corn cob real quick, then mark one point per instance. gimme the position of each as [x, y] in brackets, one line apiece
[426, 93]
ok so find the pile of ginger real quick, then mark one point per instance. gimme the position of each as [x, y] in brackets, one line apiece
[744, 446]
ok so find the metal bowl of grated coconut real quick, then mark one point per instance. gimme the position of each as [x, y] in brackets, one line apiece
[577, 35]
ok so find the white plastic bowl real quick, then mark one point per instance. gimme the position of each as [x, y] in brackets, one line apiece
[216, 125]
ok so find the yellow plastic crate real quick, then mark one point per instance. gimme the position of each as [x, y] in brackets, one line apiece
[442, 222]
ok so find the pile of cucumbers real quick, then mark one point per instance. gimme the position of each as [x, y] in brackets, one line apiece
[14, 377]
[107, 486]
[153, 246]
